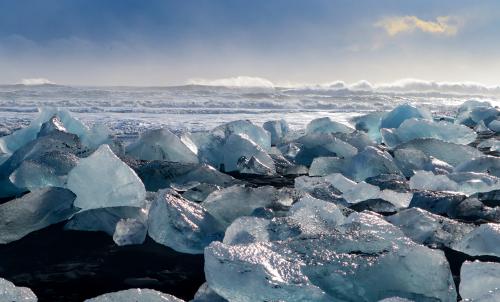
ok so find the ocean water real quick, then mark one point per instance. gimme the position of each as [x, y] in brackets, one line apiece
[130, 110]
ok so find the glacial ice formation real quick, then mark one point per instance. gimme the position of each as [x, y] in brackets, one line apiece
[325, 125]
[480, 281]
[329, 266]
[181, 224]
[240, 146]
[11, 293]
[161, 144]
[247, 129]
[278, 130]
[135, 295]
[34, 211]
[395, 117]
[483, 241]
[103, 180]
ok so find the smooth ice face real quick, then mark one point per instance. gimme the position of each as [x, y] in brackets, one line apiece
[322, 166]
[484, 240]
[344, 265]
[308, 217]
[485, 164]
[278, 130]
[161, 174]
[181, 224]
[135, 295]
[230, 203]
[398, 115]
[416, 128]
[322, 144]
[11, 293]
[361, 191]
[480, 281]
[370, 123]
[34, 211]
[491, 144]
[450, 153]
[326, 125]
[240, 146]
[245, 128]
[411, 160]
[104, 219]
[430, 229]
[206, 294]
[371, 162]
[247, 229]
[425, 180]
[103, 180]
[494, 126]
[130, 231]
[161, 144]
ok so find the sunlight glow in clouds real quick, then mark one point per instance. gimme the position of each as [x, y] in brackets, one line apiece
[444, 25]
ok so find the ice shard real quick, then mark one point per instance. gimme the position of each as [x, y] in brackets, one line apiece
[103, 180]
[135, 295]
[245, 128]
[130, 231]
[181, 224]
[326, 125]
[398, 115]
[278, 130]
[343, 265]
[483, 241]
[161, 144]
[240, 146]
[480, 281]
[34, 211]
[11, 293]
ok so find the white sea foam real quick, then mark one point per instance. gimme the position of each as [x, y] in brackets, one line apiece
[36, 81]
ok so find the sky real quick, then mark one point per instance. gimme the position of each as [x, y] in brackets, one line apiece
[164, 42]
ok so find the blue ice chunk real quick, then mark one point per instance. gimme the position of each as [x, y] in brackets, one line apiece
[103, 180]
[161, 144]
[398, 115]
[181, 224]
[325, 125]
[34, 211]
[278, 130]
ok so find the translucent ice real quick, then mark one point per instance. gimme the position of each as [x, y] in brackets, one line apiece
[494, 126]
[135, 295]
[230, 203]
[480, 281]
[329, 267]
[450, 153]
[11, 293]
[430, 229]
[161, 174]
[130, 231]
[484, 240]
[398, 115]
[104, 219]
[411, 160]
[326, 125]
[103, 180]
[361, 191]
[245, 128]
[181, 224]
[371, 162]
[370, 124]
[485, 164]
[206, 294]
[322, 166]
[239, 146]
[491, 145]
[10, 143]
[424, 180]
[34, 211]
[161, 144]
[278, 130]
[417, 128]
[322, 144]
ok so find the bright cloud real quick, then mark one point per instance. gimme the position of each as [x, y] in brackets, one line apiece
[444, 25]
[240, 81]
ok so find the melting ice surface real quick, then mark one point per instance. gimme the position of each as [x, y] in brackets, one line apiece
[289, 194]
